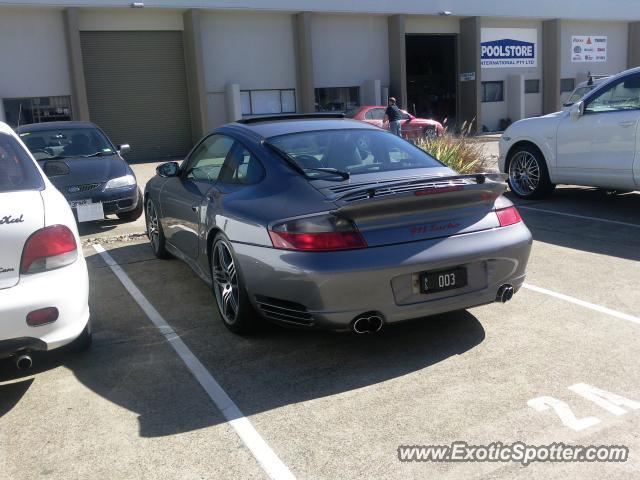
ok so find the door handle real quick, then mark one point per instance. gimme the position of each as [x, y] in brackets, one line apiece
[195, 207]
[627, 123]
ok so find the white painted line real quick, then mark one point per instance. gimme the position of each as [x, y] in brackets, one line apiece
[583, 217]
[268, 460]
[582, 303]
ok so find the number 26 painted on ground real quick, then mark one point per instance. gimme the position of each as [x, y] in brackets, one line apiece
[608, 401]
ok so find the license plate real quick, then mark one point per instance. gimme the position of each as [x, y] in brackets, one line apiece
[75, 203]
[432, 282]
[90, 212]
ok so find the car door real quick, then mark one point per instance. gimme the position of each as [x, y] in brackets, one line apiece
[409, 129]
[598, 148]
[182, 197]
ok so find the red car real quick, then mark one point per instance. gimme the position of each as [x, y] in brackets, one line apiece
[412, 127]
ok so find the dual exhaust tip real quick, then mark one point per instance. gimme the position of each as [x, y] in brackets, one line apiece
[367, 323]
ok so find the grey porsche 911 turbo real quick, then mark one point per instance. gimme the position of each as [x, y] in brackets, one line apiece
[316, 220]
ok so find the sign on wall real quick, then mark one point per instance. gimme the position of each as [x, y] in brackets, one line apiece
[586, 48]
[508, 47]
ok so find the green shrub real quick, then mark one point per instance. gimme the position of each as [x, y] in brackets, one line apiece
[461, 153]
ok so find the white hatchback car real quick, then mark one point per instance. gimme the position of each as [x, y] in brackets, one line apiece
[44, 284]
[592, 143]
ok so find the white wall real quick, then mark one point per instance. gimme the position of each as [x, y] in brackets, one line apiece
[129, 19]
[254, 50]
[349, 49]
[623, 10]
[33, 54]
[433, 25]
[492, 112]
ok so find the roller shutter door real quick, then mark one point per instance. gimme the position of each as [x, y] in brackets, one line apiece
[137, 90]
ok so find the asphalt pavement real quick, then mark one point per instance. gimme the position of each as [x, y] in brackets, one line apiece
[167, 391]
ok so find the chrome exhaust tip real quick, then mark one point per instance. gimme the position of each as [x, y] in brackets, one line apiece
[367, 323]
[24, 362]
[505, 293]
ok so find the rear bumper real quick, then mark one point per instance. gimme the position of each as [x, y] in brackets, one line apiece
[335, 287]
[66, 289]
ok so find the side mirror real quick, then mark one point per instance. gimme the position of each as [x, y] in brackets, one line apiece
[168, 169]
[55, 168]
[124, 148]
[577, 110]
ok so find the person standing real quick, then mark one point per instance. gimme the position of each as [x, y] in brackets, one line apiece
[393, 115]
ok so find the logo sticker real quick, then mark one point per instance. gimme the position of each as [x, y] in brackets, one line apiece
[11, 219]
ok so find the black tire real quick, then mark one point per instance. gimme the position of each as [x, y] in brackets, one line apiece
[135, 214]
[235, 308]
[84, 341]
[528, 176]
[154, 231]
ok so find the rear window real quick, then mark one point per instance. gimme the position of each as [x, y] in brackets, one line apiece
[352, 150]
[17, 170]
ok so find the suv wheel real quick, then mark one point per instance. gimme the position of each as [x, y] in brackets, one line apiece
[528, 174]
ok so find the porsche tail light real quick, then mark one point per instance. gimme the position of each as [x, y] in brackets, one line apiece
[319, 233]
[49, 248]
[508, 216]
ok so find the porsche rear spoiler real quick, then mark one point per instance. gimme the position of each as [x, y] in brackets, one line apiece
[418, 194]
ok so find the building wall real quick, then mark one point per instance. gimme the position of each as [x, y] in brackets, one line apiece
[349, 50]
[254, 50]
[617, 38]
[33, 54]
[492, 112]
[129, 19]
[432, 25]
[622, 10]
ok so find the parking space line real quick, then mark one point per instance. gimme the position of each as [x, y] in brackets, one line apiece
[582, 303]
[267, 458]
[583, 217]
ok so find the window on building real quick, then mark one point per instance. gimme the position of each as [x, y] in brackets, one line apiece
[265, 102]
[20, 111]
[567, 85]
[337, 99]
[532, 86]
[493, 91]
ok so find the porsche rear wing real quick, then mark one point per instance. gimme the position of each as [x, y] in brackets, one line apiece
[419, 194]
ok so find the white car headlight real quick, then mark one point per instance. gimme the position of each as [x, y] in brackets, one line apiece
[120, 182]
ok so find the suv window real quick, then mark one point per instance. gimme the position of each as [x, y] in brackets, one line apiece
[624, 94]
[17, 170]
[242, 167]
[207, 160]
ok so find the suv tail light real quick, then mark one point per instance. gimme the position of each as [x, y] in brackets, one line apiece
[508, 216]
[47, 249]
[320, 233]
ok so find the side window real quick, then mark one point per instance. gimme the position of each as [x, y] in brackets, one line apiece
[378, 113]
[369, 114]
[242, 167]
[206, 162]
[621, 95]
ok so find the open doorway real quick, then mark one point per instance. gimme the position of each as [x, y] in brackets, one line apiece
[431, 76]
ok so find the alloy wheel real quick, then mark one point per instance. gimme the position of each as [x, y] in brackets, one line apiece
[524, 173]
[152, 225]
[225, 282]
